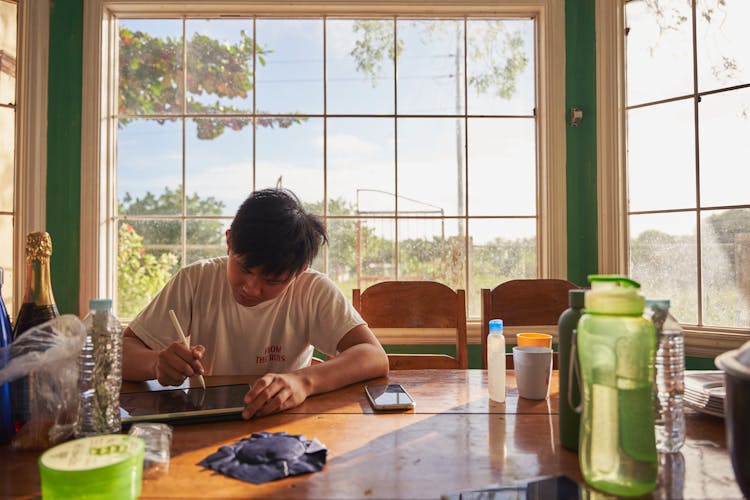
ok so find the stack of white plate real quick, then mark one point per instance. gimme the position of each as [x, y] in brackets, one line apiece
[704, 391]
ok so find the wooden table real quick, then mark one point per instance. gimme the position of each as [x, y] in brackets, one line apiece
[456, 439]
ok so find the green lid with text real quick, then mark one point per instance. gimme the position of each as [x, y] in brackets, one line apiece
[108, 467]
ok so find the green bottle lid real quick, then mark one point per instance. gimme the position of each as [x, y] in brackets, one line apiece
[613, 294]
[107, 466]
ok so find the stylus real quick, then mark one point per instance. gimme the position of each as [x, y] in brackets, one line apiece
[177, 327]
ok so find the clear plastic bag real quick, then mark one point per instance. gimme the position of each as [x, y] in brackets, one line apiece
[48, 355]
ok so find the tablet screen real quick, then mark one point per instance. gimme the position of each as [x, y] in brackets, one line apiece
[194, 404]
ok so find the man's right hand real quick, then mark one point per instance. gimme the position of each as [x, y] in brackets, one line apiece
[177, 362]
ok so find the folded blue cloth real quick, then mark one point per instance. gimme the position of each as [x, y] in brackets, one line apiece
[266, 456]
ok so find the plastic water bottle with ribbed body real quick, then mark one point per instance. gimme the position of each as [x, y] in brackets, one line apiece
[669, 416]
[496, 361]
[100, 372]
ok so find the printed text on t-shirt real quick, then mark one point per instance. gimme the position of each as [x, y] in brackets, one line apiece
[272, 353]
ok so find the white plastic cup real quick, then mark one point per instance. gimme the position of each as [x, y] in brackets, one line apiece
[533, 368]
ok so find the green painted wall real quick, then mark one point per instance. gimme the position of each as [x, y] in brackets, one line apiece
[580, 92]
[64, 149]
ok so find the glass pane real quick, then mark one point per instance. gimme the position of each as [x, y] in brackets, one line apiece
[150, 67]
[501, 250]
[8, 34]
[220, 65]
[658, 50]
[431, 249]
[6, 262]
[722, 42]
[502, 166]
[289, 73]
[218, 171]
[7, 162]
[725, 148]
[361, 252]
[430, 67]
[725, 255]
[661, 156]
[431, 170]
[293, 158]
[149, 167]
[663, 260]
[149, 253]
[205, 239]
[500, 66]
[359, 66]
[361, 174]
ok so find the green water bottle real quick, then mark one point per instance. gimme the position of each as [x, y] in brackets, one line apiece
[616, 350]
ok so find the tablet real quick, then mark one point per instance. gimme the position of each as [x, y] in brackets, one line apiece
[184, 405]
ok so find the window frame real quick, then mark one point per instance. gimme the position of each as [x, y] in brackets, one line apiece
[612, 184]
[98, 233]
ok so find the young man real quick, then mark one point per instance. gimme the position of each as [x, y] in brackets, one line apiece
[258, 311]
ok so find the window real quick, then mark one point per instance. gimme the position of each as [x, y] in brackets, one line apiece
[688, 123]
[8, 55]
[423, 142]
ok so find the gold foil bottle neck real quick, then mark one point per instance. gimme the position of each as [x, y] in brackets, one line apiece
[38, 246]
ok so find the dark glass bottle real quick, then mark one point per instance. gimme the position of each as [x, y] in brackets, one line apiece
[38, 307]
[570, 393]
[6, 420]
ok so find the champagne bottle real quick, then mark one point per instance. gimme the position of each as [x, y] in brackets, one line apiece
[38, 307]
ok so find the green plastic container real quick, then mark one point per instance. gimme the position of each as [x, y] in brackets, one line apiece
[616, 350]
[103, 467]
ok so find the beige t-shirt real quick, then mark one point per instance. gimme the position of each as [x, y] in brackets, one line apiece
[274, 336]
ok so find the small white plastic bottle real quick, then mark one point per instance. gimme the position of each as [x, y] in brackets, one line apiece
[496, 361]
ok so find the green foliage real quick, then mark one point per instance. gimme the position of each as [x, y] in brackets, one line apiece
[725, 226]
[140, 275]
[374, 48]
[151, 80]
[163, 235]
[501, 74]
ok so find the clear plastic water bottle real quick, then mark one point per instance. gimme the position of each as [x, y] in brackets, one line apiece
[496, 361]
[100, 372]
[669, 417]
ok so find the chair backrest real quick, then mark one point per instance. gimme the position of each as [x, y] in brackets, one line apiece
[415, 305]
[529, 302]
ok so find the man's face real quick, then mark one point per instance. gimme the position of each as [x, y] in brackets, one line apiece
[250, 286]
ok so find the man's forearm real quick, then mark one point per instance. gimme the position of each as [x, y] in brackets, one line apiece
[359, 362]
[138, 361]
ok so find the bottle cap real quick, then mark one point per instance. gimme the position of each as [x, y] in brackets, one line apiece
[496, 326]
[612, 294]
[575, 298]
[658, 304]
[100, 304]
[38, 245]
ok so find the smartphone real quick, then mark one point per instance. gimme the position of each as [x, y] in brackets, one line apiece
[389, 397]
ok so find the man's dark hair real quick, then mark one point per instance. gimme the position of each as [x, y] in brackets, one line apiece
[272, 230]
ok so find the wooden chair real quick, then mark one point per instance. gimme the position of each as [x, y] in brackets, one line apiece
[416, 305]
[529, 302]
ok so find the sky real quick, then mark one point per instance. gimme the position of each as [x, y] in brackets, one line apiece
[661, 138]
[662, 173]
[361, 150]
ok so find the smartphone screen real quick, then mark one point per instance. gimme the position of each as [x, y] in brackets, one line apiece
[389, 397]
